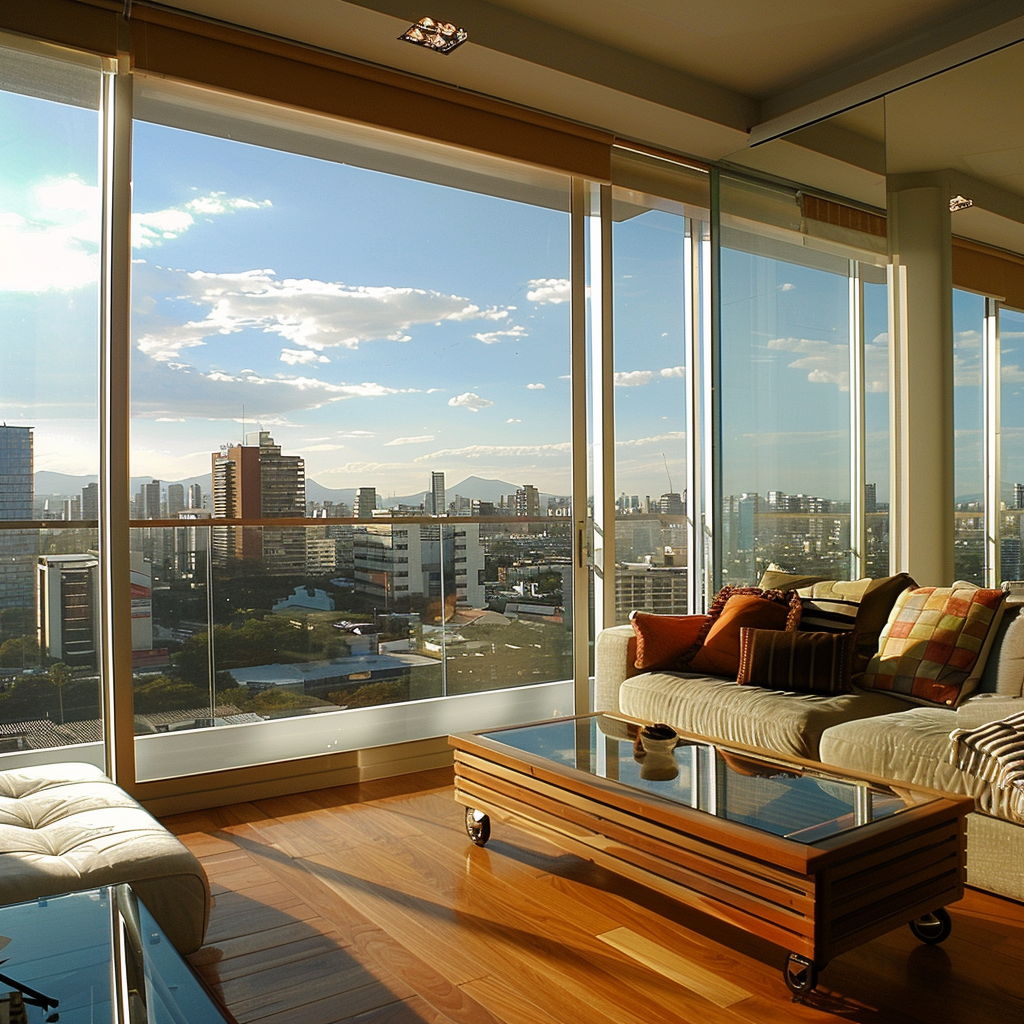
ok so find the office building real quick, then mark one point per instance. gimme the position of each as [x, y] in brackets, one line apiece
[256, 481]
[436, 504]
[18, 548]
[68, 618]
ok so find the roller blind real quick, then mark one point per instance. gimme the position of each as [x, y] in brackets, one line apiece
[191, 50]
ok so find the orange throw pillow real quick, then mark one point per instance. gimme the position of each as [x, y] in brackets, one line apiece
[720, 655]
[662, 640]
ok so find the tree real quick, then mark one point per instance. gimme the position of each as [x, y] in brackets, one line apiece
[19, 652]
[60, 676]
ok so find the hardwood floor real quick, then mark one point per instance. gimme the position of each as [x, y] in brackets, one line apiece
[369, 904]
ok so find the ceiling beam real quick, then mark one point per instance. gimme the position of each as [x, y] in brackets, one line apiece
[965, 38]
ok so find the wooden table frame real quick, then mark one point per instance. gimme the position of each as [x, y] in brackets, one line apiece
[816, 900]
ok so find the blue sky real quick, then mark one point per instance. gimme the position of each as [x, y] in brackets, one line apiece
[383, 327]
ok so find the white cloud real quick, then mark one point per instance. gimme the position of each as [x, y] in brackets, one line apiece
[549, 290]
[486, 451]
[633, 378]
[787, 287]
[296, 357]
[469, 400]
[512, 419]
[150, 229]
[422, 439]
[321, 448]
[673, 371]
[307, 313]
[639, 442]
[52, 242]
[828, 362]
[162, 388]
[536, 387]
[493, 337]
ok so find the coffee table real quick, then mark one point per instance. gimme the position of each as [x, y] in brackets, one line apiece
[811, 858]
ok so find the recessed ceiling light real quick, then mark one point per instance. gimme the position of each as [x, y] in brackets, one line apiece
[960, 203]
[441, 36]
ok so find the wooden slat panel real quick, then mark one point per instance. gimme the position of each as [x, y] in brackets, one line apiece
[742, 888]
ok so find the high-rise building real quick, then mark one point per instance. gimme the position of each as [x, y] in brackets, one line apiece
[366, 502]
[175, 499]
[255, 481]
[150, 500]
[870, 498]
[18, 548]
[436, 504]
[68, 613]
[195, 496]
[671, 504]
[527, 501]
[91, 501]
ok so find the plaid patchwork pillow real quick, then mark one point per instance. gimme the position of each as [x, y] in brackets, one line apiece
[933, 648]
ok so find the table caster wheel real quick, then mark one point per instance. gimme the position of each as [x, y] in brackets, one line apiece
[801, 975]
[478, 826]
[932, 928]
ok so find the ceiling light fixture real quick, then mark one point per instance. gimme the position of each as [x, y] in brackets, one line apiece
[958, 202]
[441, 36]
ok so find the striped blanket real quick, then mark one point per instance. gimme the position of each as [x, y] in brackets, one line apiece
[994, 752]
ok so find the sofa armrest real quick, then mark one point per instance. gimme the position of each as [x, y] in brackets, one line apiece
[614, 655]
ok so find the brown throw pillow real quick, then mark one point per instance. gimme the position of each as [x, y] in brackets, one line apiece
[720, 653]
[872, 615]
[795, 661]
[662, 640]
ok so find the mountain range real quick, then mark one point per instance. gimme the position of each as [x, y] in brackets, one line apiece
[63, 485]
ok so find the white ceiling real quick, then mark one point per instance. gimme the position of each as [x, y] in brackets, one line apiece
[695, 77]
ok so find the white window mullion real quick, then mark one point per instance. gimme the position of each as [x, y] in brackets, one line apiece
[602, 405]
[991, 369]
[858, 530]
[580, 448]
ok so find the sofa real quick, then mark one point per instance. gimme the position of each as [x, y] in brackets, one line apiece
[66, 827]
[866, 730]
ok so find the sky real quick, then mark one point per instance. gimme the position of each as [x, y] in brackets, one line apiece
[384, 327]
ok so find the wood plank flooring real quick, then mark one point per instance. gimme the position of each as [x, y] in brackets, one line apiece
[369, 904]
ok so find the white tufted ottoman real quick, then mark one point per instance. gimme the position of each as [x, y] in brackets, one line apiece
[65, 827]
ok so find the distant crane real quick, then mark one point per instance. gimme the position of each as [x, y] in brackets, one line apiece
[668, 474]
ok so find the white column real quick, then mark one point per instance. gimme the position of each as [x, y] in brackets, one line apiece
[921, 336]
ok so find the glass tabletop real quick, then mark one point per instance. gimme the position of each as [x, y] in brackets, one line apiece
[59, 956]
[801, 804]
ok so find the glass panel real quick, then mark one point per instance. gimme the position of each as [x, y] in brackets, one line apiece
[406, 358]
[49, 316]
[785, 393]
[802, 804]
[876, 430]
[1011, 444]
[653, 272]
[969, 427]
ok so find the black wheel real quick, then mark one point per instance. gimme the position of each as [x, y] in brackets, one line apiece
[478, 826]
[800, 974]
[932, 928]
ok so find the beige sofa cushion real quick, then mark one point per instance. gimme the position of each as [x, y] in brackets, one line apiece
[721, 708]
[67, 827]
[911, 747]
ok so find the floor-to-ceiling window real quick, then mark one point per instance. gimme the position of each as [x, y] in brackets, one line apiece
[50, 220]
[969, 427]
[366, 344]
[660, 243]
[793, 316]
[1011, 444]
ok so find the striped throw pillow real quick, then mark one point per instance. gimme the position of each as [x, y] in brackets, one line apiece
[796, 661]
